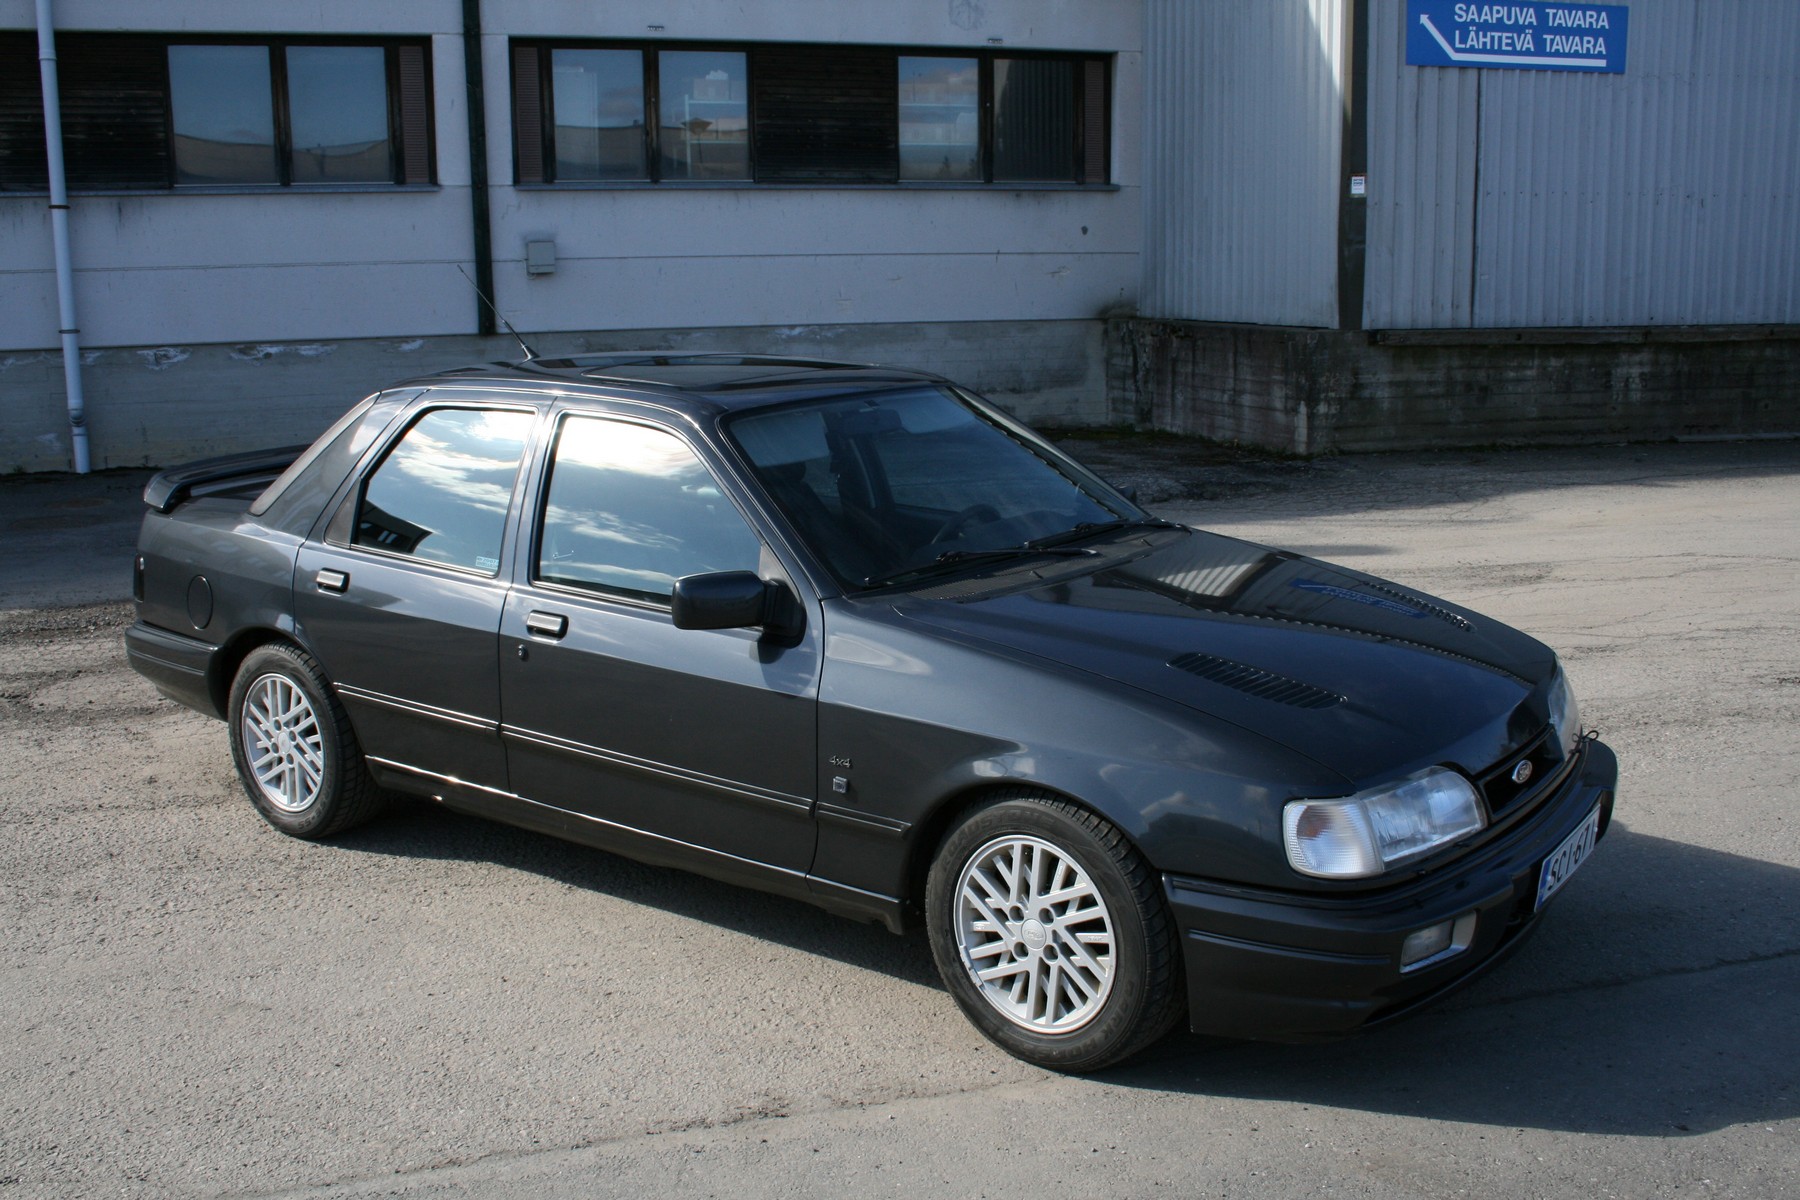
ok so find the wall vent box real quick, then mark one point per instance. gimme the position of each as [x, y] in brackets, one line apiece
[540, 258]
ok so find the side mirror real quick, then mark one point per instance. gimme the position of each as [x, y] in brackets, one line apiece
[731, 600]
[722, 600]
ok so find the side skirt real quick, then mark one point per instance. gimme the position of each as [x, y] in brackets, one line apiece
[510, 809]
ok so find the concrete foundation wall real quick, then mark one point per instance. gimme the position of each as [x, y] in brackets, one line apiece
[1308, 391]
[158, 405]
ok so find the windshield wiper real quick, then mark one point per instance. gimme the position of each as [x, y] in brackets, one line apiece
[1090, 528]
[951, 559]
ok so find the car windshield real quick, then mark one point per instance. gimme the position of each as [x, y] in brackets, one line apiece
[894, 484]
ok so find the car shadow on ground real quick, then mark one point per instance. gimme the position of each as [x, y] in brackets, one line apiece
[1660, 999]
[1640, 1008]
[419, 829]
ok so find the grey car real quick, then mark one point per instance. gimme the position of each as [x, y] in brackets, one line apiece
[851, 635]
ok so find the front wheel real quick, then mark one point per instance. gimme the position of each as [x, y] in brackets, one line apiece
[293, 746]
[1052, 934]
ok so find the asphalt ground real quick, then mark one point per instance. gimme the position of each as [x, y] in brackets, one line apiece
[193, 1005]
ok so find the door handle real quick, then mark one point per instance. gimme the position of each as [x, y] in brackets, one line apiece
[332, 581]
[550, 625]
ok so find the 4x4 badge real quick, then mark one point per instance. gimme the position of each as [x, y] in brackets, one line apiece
[1522, 772]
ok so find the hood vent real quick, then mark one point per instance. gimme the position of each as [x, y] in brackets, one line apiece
[1423, 605]
[1254, 681]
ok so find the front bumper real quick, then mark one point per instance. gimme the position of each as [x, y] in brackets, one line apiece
[1295, 967]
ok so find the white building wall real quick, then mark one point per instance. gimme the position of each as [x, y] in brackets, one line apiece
[213, 322]
[156, 268]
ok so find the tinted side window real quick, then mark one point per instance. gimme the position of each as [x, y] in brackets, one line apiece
[293, 501]
[631, 509]
[441, 494]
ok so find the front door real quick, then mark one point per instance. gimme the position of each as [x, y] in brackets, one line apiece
[702, 739]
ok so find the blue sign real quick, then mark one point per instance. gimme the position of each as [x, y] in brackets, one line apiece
[1526, 36]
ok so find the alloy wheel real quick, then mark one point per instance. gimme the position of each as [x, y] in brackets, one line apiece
[1034, 934]
[283, 745]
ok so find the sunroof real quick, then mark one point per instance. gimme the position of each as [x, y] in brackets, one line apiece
[611, 364]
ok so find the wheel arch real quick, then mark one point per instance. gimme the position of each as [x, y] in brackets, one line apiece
[930, 833]
[230, 658]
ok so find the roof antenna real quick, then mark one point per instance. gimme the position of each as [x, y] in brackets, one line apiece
[529, 353]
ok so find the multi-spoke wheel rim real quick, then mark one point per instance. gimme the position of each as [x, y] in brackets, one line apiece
[282, 743]
[1035, 935]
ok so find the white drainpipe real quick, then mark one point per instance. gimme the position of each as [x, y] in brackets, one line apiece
[59, 233]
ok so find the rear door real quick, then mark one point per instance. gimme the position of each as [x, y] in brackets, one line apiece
[400, 600]
[703, 739]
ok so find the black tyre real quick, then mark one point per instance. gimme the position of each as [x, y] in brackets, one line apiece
[1052, 934]
[295, 751]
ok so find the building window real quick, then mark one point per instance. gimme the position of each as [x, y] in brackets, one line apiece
[940, 119]
[704, 113]
[340, 131]
[222, 115]
[806, 114]
[182, 111]
[598, 99]
[1034, 119]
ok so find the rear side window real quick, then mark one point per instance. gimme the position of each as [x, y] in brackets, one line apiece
[631, 509]
[293, 501]
[442, 493]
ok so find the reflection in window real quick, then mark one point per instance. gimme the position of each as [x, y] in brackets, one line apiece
[598, 103]
[940, 123]
[224, 118]
[338, 114]
[705, 114]
[1034, 120]
[880, 484]
[442, 492]
[631, 509]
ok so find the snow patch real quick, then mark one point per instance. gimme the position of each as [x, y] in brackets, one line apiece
[263, 351]
[164, 357]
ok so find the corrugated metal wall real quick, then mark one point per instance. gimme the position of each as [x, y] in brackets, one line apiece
[1669, 195]
[1243, 120]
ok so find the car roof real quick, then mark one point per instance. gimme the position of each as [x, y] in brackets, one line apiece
[696, 382]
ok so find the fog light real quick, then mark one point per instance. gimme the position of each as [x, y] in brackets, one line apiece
[1437, 942]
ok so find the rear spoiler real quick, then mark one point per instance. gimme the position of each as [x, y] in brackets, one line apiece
[209, 476]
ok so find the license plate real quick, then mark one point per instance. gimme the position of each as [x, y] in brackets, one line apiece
[1567, 857]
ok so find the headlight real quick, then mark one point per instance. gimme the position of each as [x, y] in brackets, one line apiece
[1565, 714]
[1369, 833]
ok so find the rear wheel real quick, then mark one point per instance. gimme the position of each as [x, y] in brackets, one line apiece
[293, 746]
[1051, 932]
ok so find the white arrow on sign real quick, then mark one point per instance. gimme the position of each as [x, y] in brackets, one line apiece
[1507, 59]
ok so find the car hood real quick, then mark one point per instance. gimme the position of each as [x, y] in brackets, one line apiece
[1364, 676]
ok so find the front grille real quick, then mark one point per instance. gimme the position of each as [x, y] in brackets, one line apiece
[1547, 768]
